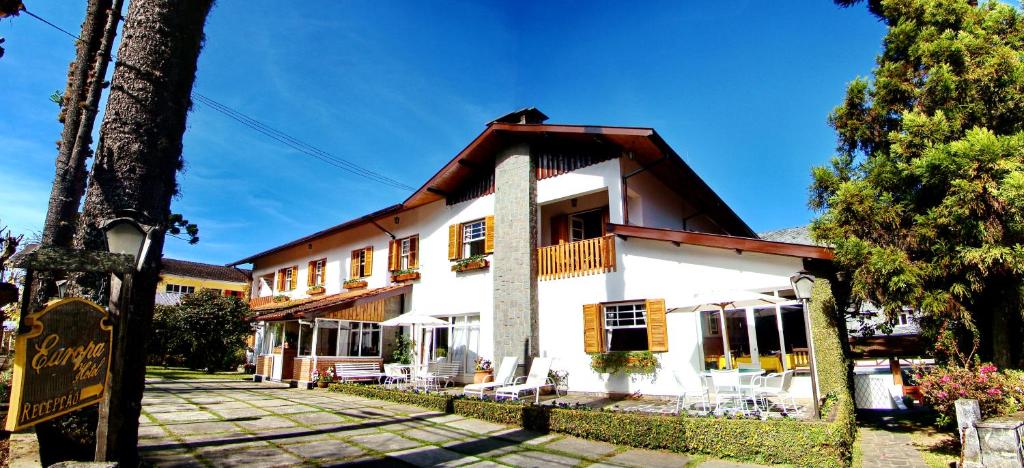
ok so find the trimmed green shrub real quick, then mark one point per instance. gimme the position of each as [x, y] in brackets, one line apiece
[434, 401]
[776, 441]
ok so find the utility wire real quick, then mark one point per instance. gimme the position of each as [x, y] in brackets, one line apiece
[299, 144]
[273, 133]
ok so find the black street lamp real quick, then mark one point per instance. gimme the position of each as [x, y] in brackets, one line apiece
[127, 236]
[803, 284]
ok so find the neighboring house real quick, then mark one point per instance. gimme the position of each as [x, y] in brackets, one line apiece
[538, 240]
[180, 277]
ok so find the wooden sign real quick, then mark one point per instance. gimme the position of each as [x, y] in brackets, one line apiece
[61, 364]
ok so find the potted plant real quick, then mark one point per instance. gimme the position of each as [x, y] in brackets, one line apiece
[627, 362]
[405, 275]
[484, 371]
[315, 289]
[476, 262]
[354, 283]
[281, 298]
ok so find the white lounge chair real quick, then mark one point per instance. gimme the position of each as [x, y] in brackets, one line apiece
[537, 379]
[506, 375]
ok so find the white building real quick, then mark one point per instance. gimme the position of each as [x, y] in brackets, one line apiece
[574, 240]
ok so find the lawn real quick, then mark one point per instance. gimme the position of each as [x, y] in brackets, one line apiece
[182, 373]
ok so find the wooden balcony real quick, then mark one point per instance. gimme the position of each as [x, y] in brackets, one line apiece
[581, 258]
[260, 301]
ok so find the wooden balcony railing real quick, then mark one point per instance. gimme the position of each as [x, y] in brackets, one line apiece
[259, 301]
[580, 258]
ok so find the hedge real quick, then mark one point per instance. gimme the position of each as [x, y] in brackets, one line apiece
[432, 401]
[823, 443]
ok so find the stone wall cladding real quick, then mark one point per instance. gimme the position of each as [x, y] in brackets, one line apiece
[515, 251]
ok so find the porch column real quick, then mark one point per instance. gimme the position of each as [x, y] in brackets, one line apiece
[316, 334]
[515, 328]
[755, 352]
[782, 337]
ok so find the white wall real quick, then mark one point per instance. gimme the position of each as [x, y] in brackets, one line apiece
[650, 270]
[440, 291]
[595, 178]
[653, 204]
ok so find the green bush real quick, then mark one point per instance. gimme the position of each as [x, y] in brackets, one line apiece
[629, 362]
[777, 441]
[434, 401]
[205, 331]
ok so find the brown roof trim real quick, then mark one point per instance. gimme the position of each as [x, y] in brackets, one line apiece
[722, 242]
[331, 230]
[311, 308]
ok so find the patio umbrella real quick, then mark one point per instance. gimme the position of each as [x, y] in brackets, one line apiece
[413, 320]
[719, 300]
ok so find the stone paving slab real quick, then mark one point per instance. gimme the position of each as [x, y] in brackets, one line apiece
[582, 447]
[385, 442]
[649, 458]
[888, 449]
[433, 456]
[256, 425]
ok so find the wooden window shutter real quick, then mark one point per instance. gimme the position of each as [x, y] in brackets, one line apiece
[657, 326]
[393, 255]
[454, 241]
[605, 219]
[414, 252]
[559, 229]
[353, 267]
[489, 234]
[295, 278]
[280, 280]
[593, 328]
[311, 274]
[369, 262]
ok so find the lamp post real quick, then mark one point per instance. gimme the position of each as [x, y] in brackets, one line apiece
[125, 235]
[803, 284]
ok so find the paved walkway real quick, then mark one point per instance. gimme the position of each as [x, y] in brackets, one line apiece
[888, 449]
[196, 423]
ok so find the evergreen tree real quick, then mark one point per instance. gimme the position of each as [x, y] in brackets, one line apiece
[924, 201]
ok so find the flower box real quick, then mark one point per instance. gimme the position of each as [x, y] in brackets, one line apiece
[415, 275]
[315, 290]
[470, 266]
[354, 284]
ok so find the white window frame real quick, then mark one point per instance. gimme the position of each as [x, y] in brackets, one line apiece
[289, 273]
[473, 231]
[179, 289]
[319, 268]
[361, 263]
[362, 327]
[621, 323]
[404, 252]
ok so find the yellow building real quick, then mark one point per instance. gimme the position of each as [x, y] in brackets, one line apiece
[179, 277]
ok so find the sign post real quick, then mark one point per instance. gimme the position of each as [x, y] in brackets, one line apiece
[63, 351]
[61, 364]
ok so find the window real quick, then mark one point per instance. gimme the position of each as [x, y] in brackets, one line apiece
[459, 341]
[345, 338]
[586, 225]
[305, 338]
[180, 289]
[471, 238]
[473, 234]
[626, 327]
[286, 278]
[362, 263]
[231, 293]
[404, 254]
[906, 318]
[317, 273]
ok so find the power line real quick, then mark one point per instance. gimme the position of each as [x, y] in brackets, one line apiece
[299, 145]
[273, 133]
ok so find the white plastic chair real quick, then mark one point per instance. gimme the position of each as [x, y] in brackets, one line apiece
[777, 386]
[692, 394]
[394, 375]
[505, 376]
[728, 391]
[537, 379]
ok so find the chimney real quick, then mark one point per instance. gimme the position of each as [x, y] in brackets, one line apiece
[527, 115]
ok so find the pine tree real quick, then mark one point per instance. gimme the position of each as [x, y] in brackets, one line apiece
[924, 201]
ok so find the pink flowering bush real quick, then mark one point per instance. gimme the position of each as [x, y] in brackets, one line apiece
[997, 392]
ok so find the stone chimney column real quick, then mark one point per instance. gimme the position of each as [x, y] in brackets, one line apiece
[515, 255]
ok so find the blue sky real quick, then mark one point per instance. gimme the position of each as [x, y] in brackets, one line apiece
[740, 89]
